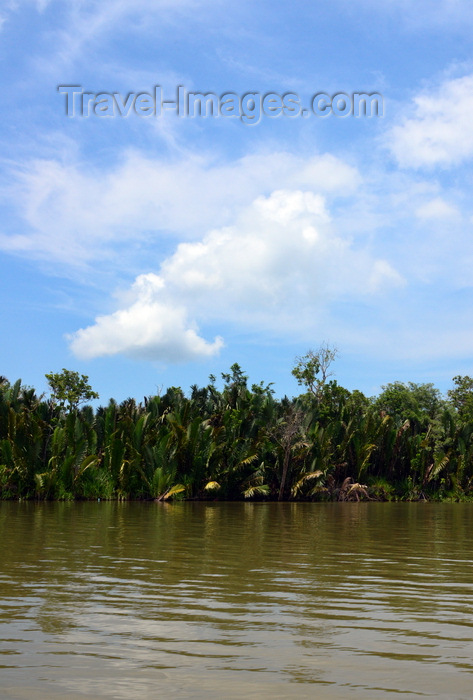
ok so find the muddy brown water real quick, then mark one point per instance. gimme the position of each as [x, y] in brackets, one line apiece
[232, 600]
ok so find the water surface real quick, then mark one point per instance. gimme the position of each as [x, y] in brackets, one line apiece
[199, 600]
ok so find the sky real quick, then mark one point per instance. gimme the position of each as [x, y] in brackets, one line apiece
[147, 249]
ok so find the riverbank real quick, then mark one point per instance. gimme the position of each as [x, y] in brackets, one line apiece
[241, 443]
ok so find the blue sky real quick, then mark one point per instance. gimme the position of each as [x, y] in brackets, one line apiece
[153, 251]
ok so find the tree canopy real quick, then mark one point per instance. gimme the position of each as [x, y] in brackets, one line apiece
[239, 441]
[312, 369]
[69, 389]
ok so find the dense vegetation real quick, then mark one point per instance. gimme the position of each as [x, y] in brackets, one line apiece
[239, 441]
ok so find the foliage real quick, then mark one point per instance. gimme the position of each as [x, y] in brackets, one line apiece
[461, 396]
[69, 389]
[239, 442]
[312, 369]
[418, 403]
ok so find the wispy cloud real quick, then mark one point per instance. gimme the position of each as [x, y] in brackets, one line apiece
[437, 131]
[438, 209]
[87, 23]
[76, 216]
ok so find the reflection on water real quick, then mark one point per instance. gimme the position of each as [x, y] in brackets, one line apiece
[326, 601]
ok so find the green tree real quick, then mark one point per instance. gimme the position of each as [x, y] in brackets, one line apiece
[462, 396]
[69, 389]
[312, 369]
[418, 403]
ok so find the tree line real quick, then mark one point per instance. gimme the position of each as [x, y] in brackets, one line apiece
[239, 441]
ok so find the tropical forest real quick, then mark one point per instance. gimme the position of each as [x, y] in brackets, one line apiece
[238, 441]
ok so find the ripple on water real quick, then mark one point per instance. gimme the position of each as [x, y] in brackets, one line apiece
[255, 600]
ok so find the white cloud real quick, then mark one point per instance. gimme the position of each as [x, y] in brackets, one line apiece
[282, 254]
[438, 133]
[146, 330]
[76, 215]
[437, 209]
[276, 269]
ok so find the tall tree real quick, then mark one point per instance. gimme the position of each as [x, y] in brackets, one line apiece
[462, 396]
[312, 369]
[69, 389]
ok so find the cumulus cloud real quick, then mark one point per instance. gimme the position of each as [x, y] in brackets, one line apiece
[438, 132]
[147, 329]
[76, 215]
[282, 254]
[275, 269]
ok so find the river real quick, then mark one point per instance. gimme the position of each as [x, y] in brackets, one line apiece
[232, 600]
